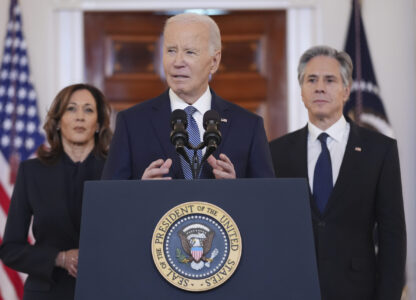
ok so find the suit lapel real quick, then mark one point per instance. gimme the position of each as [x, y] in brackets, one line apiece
[223, 109]
[160, 119]
[351, 160]
[299, 154]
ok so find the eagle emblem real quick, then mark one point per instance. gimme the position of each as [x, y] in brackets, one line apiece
[196, 240]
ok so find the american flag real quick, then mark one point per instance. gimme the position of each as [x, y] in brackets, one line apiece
[20, 131]
[364, 106]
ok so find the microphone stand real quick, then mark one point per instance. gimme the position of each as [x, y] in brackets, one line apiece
[195, 164]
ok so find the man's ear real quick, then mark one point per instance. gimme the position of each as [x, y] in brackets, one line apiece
[347, 92]
[215, 63]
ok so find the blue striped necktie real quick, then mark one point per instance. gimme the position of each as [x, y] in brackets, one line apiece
[194, 139]
[322, 178]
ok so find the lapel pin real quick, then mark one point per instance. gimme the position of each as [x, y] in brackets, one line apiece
[358, 149]
[224, 120]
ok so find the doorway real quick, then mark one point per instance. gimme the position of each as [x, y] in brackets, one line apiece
[123, 59]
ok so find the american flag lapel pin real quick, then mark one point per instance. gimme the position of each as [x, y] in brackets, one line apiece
[358, 149]
[224, 120]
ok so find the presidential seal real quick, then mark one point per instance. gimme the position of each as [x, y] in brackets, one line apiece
[196, 246]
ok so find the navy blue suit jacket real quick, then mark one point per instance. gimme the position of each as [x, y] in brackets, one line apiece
[367, 192]
[142, 136]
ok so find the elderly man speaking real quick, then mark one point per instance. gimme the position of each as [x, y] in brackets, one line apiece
[141, 146]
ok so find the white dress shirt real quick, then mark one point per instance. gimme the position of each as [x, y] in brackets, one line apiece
[202, 105]
[336, 142]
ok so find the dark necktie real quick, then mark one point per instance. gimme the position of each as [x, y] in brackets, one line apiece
[322, 178]
[194, 139]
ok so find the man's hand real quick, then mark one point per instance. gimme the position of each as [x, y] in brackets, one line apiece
[222, 168]
[157, 169]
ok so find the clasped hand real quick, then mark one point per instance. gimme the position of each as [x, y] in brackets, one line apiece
[68, 260]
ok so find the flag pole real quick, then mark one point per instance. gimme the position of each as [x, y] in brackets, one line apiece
[14, 158]
[358, 70]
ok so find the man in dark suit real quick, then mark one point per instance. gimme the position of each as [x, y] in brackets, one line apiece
[141, 146]
[355, 185]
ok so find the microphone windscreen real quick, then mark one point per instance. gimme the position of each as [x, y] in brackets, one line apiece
[211, 115]
[178, 115]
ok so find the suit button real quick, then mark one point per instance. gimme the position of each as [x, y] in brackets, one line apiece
[321, 224]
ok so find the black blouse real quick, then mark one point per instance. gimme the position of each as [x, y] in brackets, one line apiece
[76, 173]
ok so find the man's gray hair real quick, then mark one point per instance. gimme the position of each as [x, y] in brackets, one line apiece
[342, 57]
[214, 30]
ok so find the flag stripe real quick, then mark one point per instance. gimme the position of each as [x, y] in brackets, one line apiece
[4, 176]
[11, 283]
[7, 290]
[15, 279]
[4, 200]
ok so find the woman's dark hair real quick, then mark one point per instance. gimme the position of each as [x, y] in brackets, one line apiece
[58, 108]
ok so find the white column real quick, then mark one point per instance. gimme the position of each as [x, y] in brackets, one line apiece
[69, 47]
[301, 28]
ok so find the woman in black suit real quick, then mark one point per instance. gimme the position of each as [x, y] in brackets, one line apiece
[49, 190]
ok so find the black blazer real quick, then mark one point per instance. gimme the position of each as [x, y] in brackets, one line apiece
[367, 192]
[142, 136]
[41, 192]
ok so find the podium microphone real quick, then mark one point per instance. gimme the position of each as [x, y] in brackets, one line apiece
[212, 135]
[179, 136]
